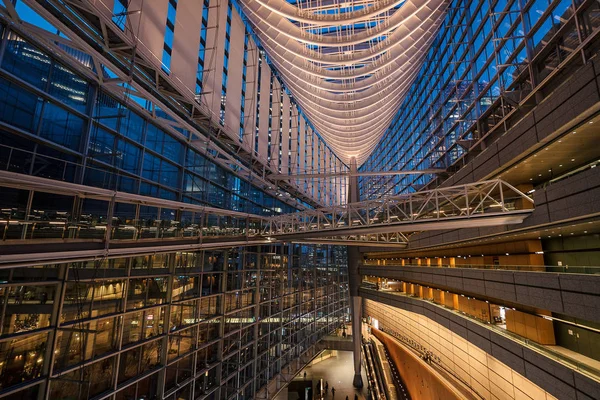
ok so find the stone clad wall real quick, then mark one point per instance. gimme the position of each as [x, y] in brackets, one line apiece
[421, 381]
[490, 377]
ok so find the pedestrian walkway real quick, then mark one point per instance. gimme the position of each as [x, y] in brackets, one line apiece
[338, 371]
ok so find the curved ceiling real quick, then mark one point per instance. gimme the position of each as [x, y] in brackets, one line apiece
[347, 63]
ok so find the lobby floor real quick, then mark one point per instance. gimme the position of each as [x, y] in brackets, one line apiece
[338, 371]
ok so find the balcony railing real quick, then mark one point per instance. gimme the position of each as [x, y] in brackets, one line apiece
[584, 368]
[564, 269]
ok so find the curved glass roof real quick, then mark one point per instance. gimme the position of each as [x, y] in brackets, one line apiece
[347, 63]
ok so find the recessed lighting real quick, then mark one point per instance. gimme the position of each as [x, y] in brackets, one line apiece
[530, 179]
[572, 159]
[572, 233]
[547, 148]
[584, 231]
[591, 122]
[540, 175]
[560, 141]
[560, 165]
[574, 132]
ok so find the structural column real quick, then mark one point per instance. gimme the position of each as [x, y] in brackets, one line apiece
[354, 282]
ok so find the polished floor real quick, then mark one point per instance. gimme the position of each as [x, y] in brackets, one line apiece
[338, 371]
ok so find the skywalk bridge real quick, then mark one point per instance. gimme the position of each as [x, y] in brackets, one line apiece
[485, 203]
[122, 223]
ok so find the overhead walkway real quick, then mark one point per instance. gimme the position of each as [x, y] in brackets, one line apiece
[122, 221]
[486, 203]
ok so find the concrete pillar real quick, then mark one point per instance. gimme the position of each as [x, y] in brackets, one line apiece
[354, 283]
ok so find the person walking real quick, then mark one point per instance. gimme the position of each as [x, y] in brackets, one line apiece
[326, 386]
[332, 391]
[347, 398]
[304, 375]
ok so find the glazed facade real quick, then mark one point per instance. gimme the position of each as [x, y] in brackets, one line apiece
[177, 323]
[488, 56]
[204, 324]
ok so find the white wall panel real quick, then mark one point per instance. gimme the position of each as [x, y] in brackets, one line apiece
[302, 149]
[250, 108]
[213, 57]
[186, 42]
[275, 125]
[149, 25]
[294, 148]
[234, 77]
[285, 136]
[263, 136]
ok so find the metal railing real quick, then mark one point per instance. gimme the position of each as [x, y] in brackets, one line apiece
[378, 222]
[494, 198]
[563, 269]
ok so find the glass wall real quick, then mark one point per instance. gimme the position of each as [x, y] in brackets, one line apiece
[185, 324]
[488, 55]
[57, 125]
[218, 324]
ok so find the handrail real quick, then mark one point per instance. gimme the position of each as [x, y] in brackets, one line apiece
[492, 198]
[585, 369]
[561, 269]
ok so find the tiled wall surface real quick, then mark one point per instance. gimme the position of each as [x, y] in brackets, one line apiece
[489, 377]
[560, 380]
[577, 295]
